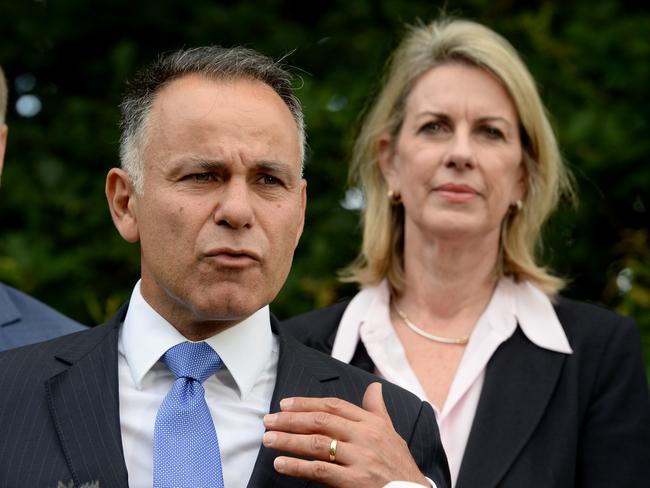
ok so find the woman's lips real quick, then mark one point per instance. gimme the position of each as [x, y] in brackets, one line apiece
[456, 193]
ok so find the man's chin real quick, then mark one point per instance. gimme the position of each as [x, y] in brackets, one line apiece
[226, 309]
[200, 321]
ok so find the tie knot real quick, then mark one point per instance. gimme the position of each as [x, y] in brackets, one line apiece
[196, 360]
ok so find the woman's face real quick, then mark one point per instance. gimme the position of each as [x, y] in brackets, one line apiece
[457, 161]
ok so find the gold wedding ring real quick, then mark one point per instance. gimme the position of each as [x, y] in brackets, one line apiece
[333, 451]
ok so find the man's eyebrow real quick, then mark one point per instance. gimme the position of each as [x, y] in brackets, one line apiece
[207, 164]
[195, 163]
[199, 164]
[275, 168]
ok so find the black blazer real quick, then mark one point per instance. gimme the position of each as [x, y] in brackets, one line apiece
[547, 419]
[59, 411]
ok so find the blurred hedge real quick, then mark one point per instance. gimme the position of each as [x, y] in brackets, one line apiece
[57, 241]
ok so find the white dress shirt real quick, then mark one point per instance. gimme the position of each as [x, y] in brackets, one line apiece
[238, 395]
[367, 318]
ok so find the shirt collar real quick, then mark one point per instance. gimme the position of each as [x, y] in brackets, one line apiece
[373, 298]
[511, 304]
[537, 318]
[245, 348]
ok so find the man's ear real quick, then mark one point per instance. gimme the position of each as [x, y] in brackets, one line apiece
[303, 206]
[122, 202]
[386, 158]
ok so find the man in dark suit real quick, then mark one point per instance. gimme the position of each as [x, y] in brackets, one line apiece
[23, 319]
[178, 386]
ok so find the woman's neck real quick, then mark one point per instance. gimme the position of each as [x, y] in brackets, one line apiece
[446, 280]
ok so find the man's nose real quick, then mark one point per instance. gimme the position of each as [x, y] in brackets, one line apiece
[234, 206]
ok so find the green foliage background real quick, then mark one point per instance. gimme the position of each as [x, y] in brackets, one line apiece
[591, 59]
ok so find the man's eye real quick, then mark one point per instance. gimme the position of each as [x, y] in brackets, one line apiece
[201, 177]
[270, 180]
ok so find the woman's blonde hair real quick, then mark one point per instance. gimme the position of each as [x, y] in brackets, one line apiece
[425, 47]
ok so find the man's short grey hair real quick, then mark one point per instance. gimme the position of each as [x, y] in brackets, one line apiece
[213, 62]
[4, 94]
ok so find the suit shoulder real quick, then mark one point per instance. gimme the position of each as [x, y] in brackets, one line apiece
[317, 327]
[36, 312]
[42, 355]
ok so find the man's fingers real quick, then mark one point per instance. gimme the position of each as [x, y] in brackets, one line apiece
[315, 446]
[323, 423]
[334, 406]
[330, 474]
[373, 401]
[368, 450]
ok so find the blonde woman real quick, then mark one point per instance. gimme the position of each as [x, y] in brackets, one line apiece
[460, 169]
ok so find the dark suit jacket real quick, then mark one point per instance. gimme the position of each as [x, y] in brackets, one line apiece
[24, 320]
[59, 412]
[547, 419]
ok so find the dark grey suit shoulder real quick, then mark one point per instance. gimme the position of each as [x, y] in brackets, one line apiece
[24, 320]
[546, 418]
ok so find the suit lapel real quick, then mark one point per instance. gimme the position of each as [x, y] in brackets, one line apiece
[519, 382]
[83, 400]
[299, 374]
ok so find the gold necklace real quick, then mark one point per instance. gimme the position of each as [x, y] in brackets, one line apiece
[461, 341]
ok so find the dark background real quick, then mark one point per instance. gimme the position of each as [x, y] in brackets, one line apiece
[591, 60]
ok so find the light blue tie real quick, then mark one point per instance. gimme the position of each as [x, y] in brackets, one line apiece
[186, 450]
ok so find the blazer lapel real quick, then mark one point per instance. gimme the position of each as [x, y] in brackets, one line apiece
[519, 381]
[83, 400]
[299, 374]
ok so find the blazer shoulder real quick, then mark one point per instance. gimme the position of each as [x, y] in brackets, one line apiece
[606, 347]
[317, 328]
[584, 321]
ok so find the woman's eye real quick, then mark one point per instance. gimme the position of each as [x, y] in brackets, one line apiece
[493, 132]
[431, 127]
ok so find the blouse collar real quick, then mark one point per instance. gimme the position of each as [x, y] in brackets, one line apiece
[511, 304]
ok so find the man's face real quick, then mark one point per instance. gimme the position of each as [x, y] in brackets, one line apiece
[223, 202]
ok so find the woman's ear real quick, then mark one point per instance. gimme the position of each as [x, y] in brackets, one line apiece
[522, 182]
[3, 145]
[122, 202]
[386, 159]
